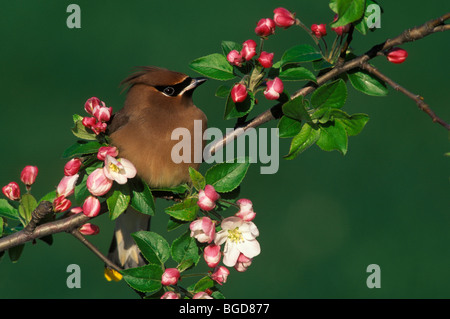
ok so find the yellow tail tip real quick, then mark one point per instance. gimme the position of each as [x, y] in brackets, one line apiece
[111, 274]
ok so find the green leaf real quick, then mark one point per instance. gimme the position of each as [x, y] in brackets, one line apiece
[7, 211]
[198, 181]
[153, 246]
[302, 141]
[300, 53]
[142, 197]
[15, 253]
[333, 136]
[225, 177]
[297, 74]
[80, 131]
[348, 11]
[288, 127]
[354, 124]
[27, 206]
[81, 148]
[296, 109]
[228, 46]
[235, 110]
[180, 189]
[203, 284]
[118, 201]
[50, 197]
[184, 211]
[223, 91]
[1, 227]
[145, 279]
[81, 190]
[321, 64]
[185, 248]
[214, 66]
[367, 83]
[217, 295]
[332, 95]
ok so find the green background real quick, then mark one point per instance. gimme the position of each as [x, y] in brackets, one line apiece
[323, 218]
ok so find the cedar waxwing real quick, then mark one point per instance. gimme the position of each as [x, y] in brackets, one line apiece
[158, 101]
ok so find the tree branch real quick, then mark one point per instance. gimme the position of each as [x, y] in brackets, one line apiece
[409, 35]
[416, 98]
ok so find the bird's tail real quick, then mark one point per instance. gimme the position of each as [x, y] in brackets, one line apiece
[123, 250]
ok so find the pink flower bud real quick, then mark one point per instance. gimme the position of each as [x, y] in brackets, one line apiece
[91, 206]
[203, 229]
[61, 204]
[212, 255]
[266, 59]
[91, 104]
[248, 49]
[220, 274]
[397, 55]
[97, 183]
[28, 175]
[103, 113]
[246, 209]
[89, 229]
[283, 18]
[170, 295]
[242, 263]
[274, 88]
[202, 295]
[76, 210]
[98, 128]
[342, 29]
[239, 93]
[89, 121]
[66, 186]
[207, 198]
[12, 191]
[107, 150]
[170, 276]
[319, 30]
[235, 58]
[72, 167]
[265, 27]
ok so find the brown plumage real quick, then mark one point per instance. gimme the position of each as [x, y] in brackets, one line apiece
[158, 101]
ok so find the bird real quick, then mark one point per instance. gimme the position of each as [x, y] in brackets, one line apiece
[157, 102]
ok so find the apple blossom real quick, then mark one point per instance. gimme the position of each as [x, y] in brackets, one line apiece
[72, 167]
[202, 295]
[238, 93]
[319, 30]
[29, 174]
[12, 191]
[245, 209]
[89, 229]
[92, 103]
[342, 29]
[66, 186]
[203, 229]
[212, 255]
[265, 27]
[243, 262]
[170, 295]
[103, 113]
[220, 274]
[91, 206]
[170, 276]
[274, 88]
[119, 169]
[248, 49]
[266, 59]
[239, 237]
[397, 55]
[235, 58]
[61, 204]
[107, 150]
[97, 183]
[283, 18]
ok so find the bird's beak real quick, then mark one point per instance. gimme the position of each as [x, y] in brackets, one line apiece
[194, 83]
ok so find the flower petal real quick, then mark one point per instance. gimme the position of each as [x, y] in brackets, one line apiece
[230, 254]
[250, 248]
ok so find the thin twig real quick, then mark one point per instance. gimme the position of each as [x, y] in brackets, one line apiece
[75, 232]
[416, 98]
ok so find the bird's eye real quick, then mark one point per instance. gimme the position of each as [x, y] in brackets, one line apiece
[169, 91]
